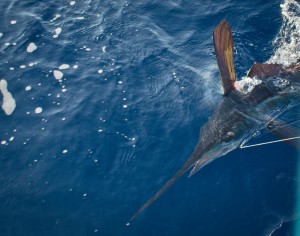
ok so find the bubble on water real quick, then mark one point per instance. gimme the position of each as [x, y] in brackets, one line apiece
[64, 67]
[27, 88]
[57, 32]
[31, 48]
[58, 74]
[38, 110]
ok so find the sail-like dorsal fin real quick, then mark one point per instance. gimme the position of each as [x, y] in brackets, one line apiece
[264, 70]
[223, 44]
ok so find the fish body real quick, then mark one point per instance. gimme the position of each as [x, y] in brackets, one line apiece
[240, 114]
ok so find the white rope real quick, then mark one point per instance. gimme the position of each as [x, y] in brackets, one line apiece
[275, 141]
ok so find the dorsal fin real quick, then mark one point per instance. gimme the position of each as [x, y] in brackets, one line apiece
[223, 44]
[264, 70]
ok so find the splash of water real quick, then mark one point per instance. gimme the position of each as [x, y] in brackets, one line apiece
[287, 41]
[246, 84]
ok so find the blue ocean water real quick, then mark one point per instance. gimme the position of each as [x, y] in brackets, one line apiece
[126, 115]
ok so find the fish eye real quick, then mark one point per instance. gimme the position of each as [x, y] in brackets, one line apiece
[229, 136]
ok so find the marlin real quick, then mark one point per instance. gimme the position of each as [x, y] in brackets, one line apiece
[240, 114]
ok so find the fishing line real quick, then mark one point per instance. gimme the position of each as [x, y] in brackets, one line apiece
[265, 143]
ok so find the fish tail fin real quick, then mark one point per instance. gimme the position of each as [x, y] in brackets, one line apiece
[223, 44]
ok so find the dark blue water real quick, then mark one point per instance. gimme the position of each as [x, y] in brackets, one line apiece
[115, 129]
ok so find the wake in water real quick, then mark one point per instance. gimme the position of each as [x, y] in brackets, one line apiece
[286, 43]
[288, 40]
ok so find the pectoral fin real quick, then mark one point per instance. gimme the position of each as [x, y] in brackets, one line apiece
[285, 131]
[223, 44]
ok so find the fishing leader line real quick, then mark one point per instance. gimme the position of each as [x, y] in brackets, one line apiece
[266, 143]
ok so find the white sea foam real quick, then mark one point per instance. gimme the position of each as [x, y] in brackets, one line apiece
[27, 88]
[1, 35]
[72, 3]
[38, 110]
[58, 74]
[13, 22]
[31, 47]
[56, 17]
[288, 39]
[64, 67]
[57, 32]
[246, 84]
[9, 103]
